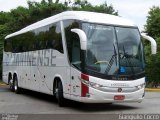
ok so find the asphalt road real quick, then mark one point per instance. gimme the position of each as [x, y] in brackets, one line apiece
[36, 103]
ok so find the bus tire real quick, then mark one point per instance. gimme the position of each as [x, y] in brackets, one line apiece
[15, 83]
[11, 86]
[59, 94]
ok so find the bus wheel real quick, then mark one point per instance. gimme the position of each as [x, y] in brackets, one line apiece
[15, 83]
[11, 86]
[59, 94]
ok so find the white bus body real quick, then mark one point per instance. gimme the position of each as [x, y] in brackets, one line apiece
[83, 56]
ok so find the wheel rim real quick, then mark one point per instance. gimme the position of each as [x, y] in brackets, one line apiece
[15, 85]
[10, 84]
[56, 91]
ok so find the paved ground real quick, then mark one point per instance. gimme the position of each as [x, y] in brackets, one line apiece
[36, 103]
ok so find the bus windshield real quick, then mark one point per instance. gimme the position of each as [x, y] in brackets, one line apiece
[113, 50]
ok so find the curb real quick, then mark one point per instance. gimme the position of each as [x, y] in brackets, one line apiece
[3, 84]
[152, 89]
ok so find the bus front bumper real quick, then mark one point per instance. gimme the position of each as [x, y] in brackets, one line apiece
[96, 96]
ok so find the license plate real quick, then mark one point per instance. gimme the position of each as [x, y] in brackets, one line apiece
[119, 97]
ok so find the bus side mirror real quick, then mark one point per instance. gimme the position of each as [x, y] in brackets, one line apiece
[82, 37]
[153, 42]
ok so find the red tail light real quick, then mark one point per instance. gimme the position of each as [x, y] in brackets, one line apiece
[84, 88]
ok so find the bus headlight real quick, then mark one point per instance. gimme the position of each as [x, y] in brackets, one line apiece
[88, 83]
[95, 85]
[140, 86]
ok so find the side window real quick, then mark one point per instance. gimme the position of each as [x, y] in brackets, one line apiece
[73, 42]
[48, 37]
[20, 43]
[28, 41]
[16, 44]
[40, 40]
[55, 39]
[8, 45]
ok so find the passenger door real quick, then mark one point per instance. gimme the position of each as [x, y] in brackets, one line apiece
[72, 44]
[76, 67]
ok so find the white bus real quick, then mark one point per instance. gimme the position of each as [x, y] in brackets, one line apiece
[83, 56]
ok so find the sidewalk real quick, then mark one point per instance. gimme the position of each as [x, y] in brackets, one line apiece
[2, 84]
[152, 89]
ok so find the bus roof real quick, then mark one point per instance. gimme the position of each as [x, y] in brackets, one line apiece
[92, 17]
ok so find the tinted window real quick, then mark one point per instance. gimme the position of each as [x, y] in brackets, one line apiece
[73, 42]
[7, 45]
[47, 37]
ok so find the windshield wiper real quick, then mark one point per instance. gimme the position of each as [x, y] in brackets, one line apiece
[112, 60]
